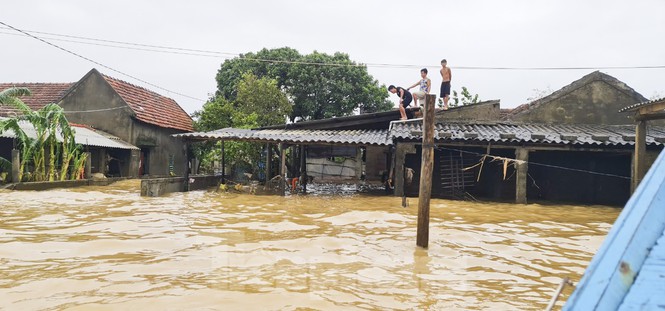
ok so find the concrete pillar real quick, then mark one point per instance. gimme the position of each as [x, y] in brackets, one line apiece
[522, 156]
[398, 180]
[639, 161]
[88, 165]
[101, 161]
[359, 163]
[134, 159]
[16, 165]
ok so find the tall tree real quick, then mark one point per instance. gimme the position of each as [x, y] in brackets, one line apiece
[261, 95]
[320, 85]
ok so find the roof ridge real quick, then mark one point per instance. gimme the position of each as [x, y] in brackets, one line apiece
[571, 87]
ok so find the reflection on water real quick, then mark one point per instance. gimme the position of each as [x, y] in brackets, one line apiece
[108, 248]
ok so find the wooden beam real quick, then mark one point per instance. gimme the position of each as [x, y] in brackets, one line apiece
[639, 162]
[425, 193]
[522, 157]
[651, 116]
[655, 107]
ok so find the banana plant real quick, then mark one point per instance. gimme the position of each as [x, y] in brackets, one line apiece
[49, 123]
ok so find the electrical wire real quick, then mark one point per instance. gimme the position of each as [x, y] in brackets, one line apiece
[100, 64]
[94, 110]
[229, 55]
[535, 163]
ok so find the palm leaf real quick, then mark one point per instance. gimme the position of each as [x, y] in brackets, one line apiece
[9, 97]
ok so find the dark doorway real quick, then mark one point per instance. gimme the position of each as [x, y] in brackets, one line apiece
[144, 163]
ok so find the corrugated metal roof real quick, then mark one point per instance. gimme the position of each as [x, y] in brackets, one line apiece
[350, 137]
[642, 104]
[83, 135]
[570, 134]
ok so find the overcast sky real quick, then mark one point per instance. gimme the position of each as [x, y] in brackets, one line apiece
[562, 33]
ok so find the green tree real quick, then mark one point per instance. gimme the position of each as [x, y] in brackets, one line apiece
[320, 85]
[263, 97]
[462, 99]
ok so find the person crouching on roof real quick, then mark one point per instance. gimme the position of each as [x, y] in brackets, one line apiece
[425, 85]
[405, 99]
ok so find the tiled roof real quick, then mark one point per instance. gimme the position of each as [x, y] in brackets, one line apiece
[642, 104]
[42, 94]
[346, 137]
[84, 135]
[569, 134]
[151, 107]
[594, 76]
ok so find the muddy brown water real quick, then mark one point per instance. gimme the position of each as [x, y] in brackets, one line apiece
[107, 248]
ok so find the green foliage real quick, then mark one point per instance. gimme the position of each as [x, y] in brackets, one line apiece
[261, 96]
[49, 124]
[317, 89]
[463, 98]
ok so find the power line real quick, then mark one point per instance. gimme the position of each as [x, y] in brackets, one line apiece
[227, 55]
[100, 64]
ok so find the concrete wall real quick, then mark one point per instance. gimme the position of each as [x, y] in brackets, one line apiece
[592, 102]
[483, 111]
[160, 186]
[376, 162]
[94, 93]
[46, 185]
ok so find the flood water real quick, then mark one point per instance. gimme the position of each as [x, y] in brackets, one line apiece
[107, 248]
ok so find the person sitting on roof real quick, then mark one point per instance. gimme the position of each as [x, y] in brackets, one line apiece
[405, 99]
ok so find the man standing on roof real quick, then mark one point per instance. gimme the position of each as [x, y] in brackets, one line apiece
[425, 85]
[405, 99]
[447, 75]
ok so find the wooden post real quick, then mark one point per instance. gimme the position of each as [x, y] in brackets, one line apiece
[268, 162]
[223, 164]
[303, 168]
[16, 165]
[88, 165]
[522, 156]
[186, 166]
[401, 150]
[639, 162]
[425, 193]
[282, 169]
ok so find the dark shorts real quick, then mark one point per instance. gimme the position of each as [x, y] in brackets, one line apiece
[445, 88]
[408, 98]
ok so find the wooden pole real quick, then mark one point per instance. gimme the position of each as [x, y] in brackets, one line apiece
[639, 163]
[268, 162]
[282, 169]
[303, 168]
[425, 193]
[223, 164]
[186, 167]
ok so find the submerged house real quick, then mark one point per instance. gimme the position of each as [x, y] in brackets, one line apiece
[132, 114]
[570, 146]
